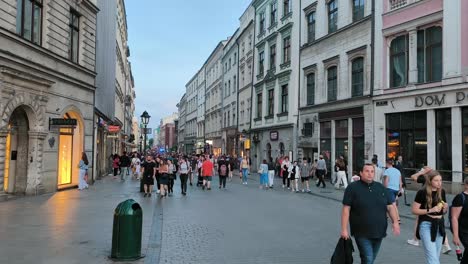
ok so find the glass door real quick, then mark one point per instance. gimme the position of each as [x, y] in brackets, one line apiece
[65, 156]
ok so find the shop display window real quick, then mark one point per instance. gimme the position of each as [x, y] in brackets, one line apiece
[407, 136]
[444, 143]
[465, 142]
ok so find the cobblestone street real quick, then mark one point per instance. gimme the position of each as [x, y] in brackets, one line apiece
[242, 224]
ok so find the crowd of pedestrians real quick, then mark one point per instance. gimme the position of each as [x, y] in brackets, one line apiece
[370, 200]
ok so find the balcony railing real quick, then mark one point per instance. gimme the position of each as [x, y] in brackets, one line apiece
[396, 4]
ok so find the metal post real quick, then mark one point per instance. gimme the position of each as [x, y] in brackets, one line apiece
[144, 147]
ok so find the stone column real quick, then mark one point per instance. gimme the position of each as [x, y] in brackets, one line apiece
[3, 137]
[431, 139]
[36, 152]
[457, 151]
[413, 56]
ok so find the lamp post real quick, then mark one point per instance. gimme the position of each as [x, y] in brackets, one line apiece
[145, 117]
[141, 143]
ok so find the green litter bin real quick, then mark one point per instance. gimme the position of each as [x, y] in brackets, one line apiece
[127, 231]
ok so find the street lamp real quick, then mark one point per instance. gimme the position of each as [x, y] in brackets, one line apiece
[141, 143]
[145, 120]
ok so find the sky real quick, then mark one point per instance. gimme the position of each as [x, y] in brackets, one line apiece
[169, 42]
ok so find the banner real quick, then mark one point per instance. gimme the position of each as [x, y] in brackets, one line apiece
[113, 129]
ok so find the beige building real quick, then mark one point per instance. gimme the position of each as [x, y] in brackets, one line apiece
[47, 83]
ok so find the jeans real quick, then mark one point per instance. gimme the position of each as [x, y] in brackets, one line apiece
[244, 174]
[431, 249]
[123, 172]
[222, 181]
[368, 248]
[321, 175]
[183, 182]
[271, 177]
[464, 240]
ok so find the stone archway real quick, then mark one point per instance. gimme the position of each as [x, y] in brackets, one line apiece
[32, 108]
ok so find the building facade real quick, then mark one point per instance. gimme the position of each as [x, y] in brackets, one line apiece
[181, 106]
[276, 67]
[213, 100]
[201, 90]
[229, 94]
[115, 93]
[190, 136]
[421, 91]
[335, 106]
[47, 71]
[245, 42]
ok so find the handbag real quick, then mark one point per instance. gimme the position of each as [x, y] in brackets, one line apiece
[86, 176]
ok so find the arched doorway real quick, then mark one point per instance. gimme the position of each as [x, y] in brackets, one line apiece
[16, 153]
[268, 150]
[70, 146]
[281, 148]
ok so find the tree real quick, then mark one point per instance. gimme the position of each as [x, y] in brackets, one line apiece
[150, 143]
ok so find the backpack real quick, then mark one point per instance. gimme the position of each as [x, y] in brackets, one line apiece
[450, 211]
[223, 170]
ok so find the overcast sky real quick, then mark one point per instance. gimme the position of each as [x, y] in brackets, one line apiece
[169, 42]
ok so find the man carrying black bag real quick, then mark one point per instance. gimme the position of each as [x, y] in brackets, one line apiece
[343, 252]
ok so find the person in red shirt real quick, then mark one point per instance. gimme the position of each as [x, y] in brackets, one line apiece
[207, 171]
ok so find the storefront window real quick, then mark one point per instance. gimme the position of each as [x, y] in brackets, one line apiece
[325, 143]
[407, 136]
[444, 143]
[465, 142]
[341, 138]
[65, 156]
[358, 144]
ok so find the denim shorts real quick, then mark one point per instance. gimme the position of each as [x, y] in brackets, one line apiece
[207, 178]
[393, 194]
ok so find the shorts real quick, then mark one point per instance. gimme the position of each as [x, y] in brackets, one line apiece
[393, 194]
[207, 178]
[303, 179]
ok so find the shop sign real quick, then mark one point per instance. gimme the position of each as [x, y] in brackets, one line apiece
[440, 99]
[62, 122]
[273, 135]
[247, 144]
[113, 129]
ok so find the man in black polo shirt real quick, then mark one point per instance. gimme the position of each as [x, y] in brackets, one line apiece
[365, 207]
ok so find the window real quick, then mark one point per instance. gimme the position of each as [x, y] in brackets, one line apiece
[332, 16]
[235, 59]
[357, 77]
[229, 63]
[225, 90]
[311, 27]
[234, 87]
[273, 14]
[287, 8]
[243, 48]
[271, 102]
[74, 36]
[308, 129]
[284, 98]
[259, 105]
[407, 136]
[229, 118]
[261, 28]
[430, 54]
[261, 61]
[444, 142]
[358, 9]
[224, 120]
[229, 88]
[332, 83]
[310, 89]
[29, 20]
[287, 49]
[325, 143]
[399, 61]
[272, 56]
[341, 138]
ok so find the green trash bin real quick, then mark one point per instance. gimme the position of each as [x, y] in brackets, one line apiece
[126, 232]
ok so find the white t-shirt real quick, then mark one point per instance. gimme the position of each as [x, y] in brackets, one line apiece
[378, 174]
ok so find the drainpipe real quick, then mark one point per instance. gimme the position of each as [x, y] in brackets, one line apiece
[252, 86]
[296, 135]
[372, 69]
[237, 107]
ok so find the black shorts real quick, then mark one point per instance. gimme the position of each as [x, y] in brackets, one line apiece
[148, 180]
[303, 179]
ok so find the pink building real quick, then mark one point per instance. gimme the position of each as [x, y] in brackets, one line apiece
[421, 85]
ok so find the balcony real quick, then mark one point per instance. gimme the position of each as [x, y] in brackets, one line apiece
[396, 4]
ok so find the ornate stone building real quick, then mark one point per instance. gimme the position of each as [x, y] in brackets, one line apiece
[47, 85]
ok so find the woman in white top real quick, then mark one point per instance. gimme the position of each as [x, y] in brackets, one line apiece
[83, 166]
[183, 172]
[136, 166]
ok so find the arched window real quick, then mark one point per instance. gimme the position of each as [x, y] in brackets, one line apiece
[268, 149]
[357, 77]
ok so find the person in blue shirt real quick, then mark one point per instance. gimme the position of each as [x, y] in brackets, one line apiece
[392, 181]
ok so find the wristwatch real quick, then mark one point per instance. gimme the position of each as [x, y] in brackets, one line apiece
[427, 210]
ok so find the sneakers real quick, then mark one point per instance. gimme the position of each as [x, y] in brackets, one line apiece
[303, 190]
[413, 242]
[145, 195]
[446, 249]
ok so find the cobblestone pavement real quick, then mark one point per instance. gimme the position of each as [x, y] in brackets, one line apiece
[242, 224]
[245, 224]
[71, 226]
